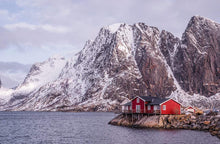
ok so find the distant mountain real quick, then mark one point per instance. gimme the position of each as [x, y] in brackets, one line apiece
[13, 73]
[14, 66]
[125, 61]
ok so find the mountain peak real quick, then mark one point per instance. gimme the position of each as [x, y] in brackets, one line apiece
[201, 18]
[56, 57]
[200, 21]
[114, 27]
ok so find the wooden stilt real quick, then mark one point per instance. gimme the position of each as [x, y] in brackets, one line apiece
[132, 117]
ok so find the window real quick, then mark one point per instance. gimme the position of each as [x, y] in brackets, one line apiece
[138, 100]
[137, 108]
[155, 107]
[148, 107]
[164, 107]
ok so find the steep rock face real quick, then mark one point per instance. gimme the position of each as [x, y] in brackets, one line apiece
[151, 62]
[104, 74]
[168, 46]
[197, 62]
[122, 62]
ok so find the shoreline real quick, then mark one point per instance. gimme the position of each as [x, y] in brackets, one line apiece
[209, 124]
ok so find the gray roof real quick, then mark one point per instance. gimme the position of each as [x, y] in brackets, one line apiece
[127, 104]
[158, 101]
[153, 100]
[147, 98]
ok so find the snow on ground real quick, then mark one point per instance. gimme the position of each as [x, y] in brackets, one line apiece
[46, 72]
[5, 95]
[196, 99]
[114, 27]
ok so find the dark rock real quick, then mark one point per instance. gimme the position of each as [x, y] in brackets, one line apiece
[206, 122]
[214, 133]
[169, 122]
[197, 62]
[151, 66]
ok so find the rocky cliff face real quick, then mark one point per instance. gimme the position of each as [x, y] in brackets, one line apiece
[122, 62]
[151, 62]
[197, 61]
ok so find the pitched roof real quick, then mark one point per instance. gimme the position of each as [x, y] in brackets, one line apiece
[158, 101]
[127, 104]
[147, 98]
[190, 107]
[153, 100]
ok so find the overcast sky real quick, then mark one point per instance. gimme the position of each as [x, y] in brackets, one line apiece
[33, 30]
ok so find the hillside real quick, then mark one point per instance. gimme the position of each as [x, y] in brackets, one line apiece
[125, 61]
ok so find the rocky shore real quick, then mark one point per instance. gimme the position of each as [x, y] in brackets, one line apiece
[192, 122]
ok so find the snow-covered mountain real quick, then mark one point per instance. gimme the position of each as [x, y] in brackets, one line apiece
[39, 75]
[124, 61]
[13, 73]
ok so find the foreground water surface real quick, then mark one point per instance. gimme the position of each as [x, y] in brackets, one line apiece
[91, 128]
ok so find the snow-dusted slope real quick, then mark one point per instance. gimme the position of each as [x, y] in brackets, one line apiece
[5, 95]
[100, 79]
[42, 73]
[39, 75]
[123, 61]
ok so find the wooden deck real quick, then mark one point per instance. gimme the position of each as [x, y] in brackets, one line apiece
[157, 112]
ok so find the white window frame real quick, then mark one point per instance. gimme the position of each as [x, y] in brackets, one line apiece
[138, 100]
[138, 108]
[155, 107]
[164, 107]
[148, 107]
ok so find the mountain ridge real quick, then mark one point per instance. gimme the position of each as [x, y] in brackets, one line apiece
[124, 61]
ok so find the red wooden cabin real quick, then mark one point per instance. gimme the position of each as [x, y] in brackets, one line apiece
[126, 108]
[153, 105]
[190, 109]
[170, 107]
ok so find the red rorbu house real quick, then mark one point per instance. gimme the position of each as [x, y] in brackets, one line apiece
[126, 108]
[152, 105]
[190, 109]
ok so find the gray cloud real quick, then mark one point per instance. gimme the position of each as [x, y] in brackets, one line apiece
[81, 20]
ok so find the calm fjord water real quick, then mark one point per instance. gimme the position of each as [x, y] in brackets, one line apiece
[91, 128]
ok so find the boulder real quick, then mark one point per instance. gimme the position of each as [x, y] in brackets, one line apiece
[206, 122]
